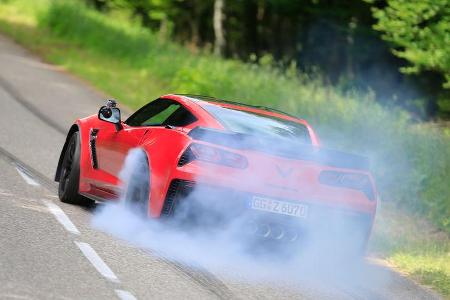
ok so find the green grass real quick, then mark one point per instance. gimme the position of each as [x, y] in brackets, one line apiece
[431, 269]
[411, 162]
[414, 246]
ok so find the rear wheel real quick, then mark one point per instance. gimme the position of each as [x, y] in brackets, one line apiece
[351, 243]
[70, 174]
[138, 185]
[361, 238]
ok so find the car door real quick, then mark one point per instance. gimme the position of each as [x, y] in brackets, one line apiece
[113, 146]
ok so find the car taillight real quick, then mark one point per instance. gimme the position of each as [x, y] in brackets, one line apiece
[354, 181]
[214, 155]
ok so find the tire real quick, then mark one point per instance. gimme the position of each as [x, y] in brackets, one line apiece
[361, 241]
[355, 243]
[138, 185]
[70, 174]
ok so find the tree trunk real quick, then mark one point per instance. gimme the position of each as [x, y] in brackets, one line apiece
[164, 28]
[219, 43]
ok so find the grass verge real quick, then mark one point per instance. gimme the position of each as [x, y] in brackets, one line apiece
[413, 246]
[411, 162]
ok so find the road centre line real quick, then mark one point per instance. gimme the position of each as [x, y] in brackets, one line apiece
[97, 261]
[28, 179]
[87, 250]
[61, 216]
[125, 295]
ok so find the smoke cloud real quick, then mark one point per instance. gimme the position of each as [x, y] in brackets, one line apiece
[227, 241]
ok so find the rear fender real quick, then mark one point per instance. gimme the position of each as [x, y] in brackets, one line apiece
[163, 148]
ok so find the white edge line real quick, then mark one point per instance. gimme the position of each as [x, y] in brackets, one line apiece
[97, 261]
[61, 216]
[28, 179]
[125, 295]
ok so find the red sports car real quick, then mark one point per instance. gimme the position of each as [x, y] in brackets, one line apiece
[253, 160]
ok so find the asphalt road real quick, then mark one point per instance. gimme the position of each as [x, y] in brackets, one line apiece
[49, 250]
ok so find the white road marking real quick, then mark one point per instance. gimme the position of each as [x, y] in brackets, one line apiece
[97, 261]
[6, 194]
[61, 216]
[124, 295]
[28, 179]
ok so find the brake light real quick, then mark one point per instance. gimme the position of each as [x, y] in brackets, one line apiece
[354, 181]
[214, 155]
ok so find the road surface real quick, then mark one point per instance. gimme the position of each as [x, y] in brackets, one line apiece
[49, 250]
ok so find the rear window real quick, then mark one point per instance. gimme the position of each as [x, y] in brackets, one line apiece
[259, 125]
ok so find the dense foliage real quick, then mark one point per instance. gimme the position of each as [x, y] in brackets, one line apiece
[411, 162]
[420, 33]
[339, 39]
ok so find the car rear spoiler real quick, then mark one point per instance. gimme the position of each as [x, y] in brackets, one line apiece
[329, 157]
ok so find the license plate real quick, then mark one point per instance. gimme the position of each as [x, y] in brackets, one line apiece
[279, 207]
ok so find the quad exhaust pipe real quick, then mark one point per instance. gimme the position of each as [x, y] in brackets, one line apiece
[272, 231]
[263, 230]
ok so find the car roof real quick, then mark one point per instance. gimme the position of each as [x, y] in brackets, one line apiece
[207, 100]
[197, 101]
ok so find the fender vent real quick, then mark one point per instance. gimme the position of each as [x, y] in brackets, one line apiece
[177, 189]
[92, 146]
[170, 198]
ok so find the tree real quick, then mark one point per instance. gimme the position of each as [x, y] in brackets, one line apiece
[419, 31]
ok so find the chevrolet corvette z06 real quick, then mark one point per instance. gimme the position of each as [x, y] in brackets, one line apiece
[240, 159]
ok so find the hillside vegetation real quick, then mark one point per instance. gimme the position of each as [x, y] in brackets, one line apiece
[398, 49]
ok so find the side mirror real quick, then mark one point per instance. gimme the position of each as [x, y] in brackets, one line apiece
[110, 113]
